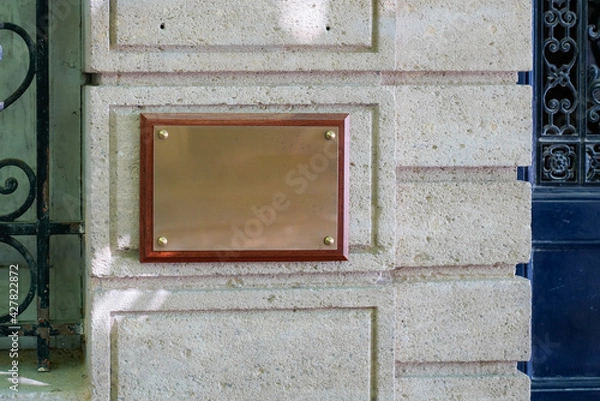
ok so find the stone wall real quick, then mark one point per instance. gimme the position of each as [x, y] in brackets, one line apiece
[426, 308]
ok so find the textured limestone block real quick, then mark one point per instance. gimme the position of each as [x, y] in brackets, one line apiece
[113, 168]
[464, 35]
[266, 23]
[467, 125]
[239, 35]
[244, 355]
[469, 388]
[479, 320]
[295, 344]
[463, 223]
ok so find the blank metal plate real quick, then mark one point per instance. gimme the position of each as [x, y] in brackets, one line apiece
[253, 191]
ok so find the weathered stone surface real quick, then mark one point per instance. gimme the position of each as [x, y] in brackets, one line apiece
[263, 23]
[436, 217]
[464, 125]
[244, 355]
[464, 35]
[240, 35]
[318, 344]
[464, 321]
[113, 164]
[467, 388]
[463, 223]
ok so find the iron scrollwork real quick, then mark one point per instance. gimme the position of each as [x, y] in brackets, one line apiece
[569, 89]
[30, 69]
[13, 243]
[11, 184]
[43, 227]
[559, 162]
[560, 57]
[592, 162]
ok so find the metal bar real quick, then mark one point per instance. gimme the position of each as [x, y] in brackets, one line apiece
[581, 85]
[43, 144]
[538, 34]
[67, 227]
[31, 329]
[30, 228]
[8, 229]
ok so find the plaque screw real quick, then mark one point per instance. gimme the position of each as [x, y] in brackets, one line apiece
[328, 241]
[163, 134]
[162, 241]
[330, 135]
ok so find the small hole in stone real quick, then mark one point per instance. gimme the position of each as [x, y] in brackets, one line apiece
[162, 26]
[328, 28]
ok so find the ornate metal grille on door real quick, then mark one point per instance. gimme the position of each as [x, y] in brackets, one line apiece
[568, 88]
[12, 225]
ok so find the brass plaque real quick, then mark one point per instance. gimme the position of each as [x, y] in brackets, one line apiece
[244, 187]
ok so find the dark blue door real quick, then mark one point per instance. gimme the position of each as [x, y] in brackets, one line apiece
[565, 263]
[565, 274]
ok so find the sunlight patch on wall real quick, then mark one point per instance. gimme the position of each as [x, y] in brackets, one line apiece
[305, 21]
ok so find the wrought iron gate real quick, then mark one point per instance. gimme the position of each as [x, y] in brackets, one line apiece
[565, 362]
[568, 88]
[12, 226]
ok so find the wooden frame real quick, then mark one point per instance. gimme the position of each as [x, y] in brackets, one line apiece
[150, 125]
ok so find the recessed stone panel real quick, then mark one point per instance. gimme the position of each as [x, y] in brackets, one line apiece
[124, 175]
[243, 344]
[245, 355]
[113, 146]
[218, 24]
[239, 35]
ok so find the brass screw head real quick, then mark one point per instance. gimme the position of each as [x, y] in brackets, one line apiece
[328, 241]
[163, 134]
[162, 241]
[330, 135]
